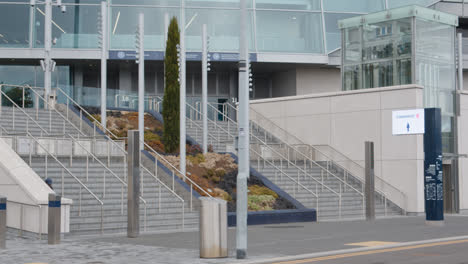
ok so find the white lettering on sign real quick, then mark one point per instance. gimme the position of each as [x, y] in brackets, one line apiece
[408, 122]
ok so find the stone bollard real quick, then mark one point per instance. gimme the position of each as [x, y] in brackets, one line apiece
[54, 219]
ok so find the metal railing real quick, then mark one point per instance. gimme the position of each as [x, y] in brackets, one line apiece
[281, 158]
[111, 137]
[89, 153]
[64, 170]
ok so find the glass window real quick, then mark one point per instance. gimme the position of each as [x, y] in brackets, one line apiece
[332, 30]
[288, 4]
[352, 52]
[38, 32]
[76, 28]
[296, 32]
[222, 27]
[360, 6]
[124, 21]
[351, 77]
[14, 25]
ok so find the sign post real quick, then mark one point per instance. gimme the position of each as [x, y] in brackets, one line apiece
[428, 122]
[433, 178]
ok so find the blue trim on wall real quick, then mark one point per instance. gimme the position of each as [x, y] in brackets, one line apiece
[276, 217]
[55, 204]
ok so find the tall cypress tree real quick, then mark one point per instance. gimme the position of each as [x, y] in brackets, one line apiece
[171, 104]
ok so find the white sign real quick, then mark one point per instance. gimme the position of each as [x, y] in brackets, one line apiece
[408, 122]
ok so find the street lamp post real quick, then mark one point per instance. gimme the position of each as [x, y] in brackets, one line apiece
[182, 89]
[140, 59]
[244, 160]
[103, 44]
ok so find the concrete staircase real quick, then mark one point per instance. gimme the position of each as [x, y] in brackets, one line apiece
[304, 183]
[164, 211]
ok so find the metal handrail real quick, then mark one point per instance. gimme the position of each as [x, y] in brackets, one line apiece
[21, 109]
[50, 107]
[297, 182]
[124, 184]
[300, 169]
[70, 173]
[290, 162]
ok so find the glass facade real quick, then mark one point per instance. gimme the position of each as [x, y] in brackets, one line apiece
[417, 47]
[278, 26]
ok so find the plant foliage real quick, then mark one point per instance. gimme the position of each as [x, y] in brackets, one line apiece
[171, 104]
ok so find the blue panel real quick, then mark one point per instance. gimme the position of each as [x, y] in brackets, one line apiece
[276, 217]
[55, 204]
[2, 206]
[191, 56]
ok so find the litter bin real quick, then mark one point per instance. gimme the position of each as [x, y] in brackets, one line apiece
[213, 228]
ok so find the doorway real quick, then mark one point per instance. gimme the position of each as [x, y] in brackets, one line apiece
[449, 189]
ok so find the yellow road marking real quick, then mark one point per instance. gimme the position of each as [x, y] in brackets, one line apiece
[372, 244]
[370, 252]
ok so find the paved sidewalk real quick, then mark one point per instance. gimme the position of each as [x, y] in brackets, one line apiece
[264, 242]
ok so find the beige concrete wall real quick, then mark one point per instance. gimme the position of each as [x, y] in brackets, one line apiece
[463, 149]
[345, 120]
[312, 80]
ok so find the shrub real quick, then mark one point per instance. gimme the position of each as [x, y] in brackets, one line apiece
[260, 202]
[261, 190]
[171, 105]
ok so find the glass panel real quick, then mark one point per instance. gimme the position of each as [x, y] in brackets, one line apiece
[331, 27]
[360, 6]
[297, 32]
[38, 33]
[398, 3]
[14, 25]
[351, 77]
[124, 21]
[435, 70]
[76, 28]
[352, 52]
[288, 4]
[222, 26]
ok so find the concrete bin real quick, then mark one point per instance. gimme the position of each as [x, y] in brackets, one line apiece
[213, 228]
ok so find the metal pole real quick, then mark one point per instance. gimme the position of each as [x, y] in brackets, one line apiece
[103, 64]
[205, 88]
[47, 49]
[141, 78]
[182, 87]
[133, 194]
[241, 229]
[3, 228]
[54, 219]
[370, 184]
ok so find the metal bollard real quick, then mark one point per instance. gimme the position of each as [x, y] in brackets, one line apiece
[54, 219]
[3, 219]
[370, 181]
[213, 228]
[133, 193]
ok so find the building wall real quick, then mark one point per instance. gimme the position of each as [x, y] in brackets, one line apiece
[318, 80]
[463, 149]
[345, 120]
[284, 83]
